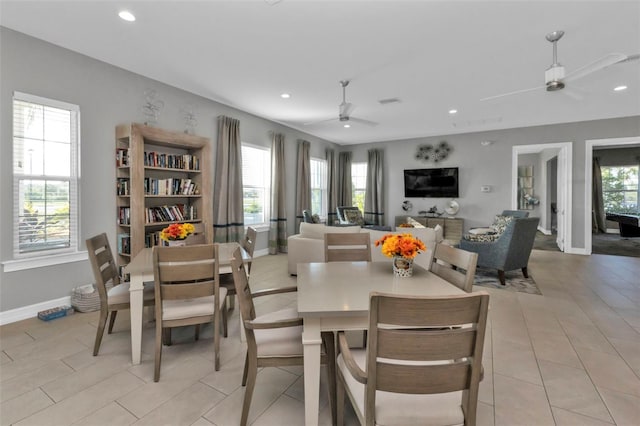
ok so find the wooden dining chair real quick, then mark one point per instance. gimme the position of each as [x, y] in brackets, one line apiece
[114, 294]
[422, 364]
[187, 292]
[455, 265]
[248, 243]
[347, 247]
[199, 235]
[273, 339]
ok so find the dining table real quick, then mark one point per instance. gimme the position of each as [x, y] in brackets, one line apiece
[140, 270]
[334, 296]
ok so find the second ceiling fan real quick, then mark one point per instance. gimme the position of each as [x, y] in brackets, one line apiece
[555, 78]
[344, 111]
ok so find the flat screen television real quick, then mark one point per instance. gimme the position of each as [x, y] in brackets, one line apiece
[431, 183]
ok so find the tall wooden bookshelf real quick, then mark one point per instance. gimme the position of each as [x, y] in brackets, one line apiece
[162, 177]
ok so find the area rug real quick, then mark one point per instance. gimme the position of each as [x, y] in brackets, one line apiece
[514, 281]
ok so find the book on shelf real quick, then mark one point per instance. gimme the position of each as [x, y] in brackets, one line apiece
[171, 161]
[172, 213]
[169, 186]
[122, 157]
[124, 243]
[124, 215]
[122, 187]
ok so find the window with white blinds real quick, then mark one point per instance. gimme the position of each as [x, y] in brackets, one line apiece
[256, 184]
[45, 176]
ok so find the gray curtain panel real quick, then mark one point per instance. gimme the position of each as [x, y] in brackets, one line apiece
[332, 187]
[278, 221]
[344, 179]
[599, 224]
[303, 182]
[374, 192]
[228, 214]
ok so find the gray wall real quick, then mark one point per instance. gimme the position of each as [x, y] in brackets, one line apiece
[107, 96]
[491, 165]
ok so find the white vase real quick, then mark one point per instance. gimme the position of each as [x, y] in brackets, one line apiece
[176, 243]
[402, 267]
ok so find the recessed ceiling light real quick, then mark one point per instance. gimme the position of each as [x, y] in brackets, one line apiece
[620, 88]
[486, 143]
[453, 111]
[285, 96]
[346, 126]
[127, 16]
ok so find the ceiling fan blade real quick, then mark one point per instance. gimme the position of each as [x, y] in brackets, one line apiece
[512, 93]
[363, 121]
[577, 95]
[310, 123]
[630, 58]
[604, 62]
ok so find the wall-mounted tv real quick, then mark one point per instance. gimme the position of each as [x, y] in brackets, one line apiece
[431, 183]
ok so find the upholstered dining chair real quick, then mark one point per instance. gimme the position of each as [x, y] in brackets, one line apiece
[114, 294]
[248, 243]
[448, 262]
[347, 247]
[422, 364]
[273, 339]
[187, 292]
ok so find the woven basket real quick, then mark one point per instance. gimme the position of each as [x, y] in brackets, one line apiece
[85, 298]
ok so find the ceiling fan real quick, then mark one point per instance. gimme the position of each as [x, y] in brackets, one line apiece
[555, 78]
[344, 111]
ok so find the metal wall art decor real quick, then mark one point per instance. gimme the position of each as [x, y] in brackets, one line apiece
[190, 121]
[433, 153]
[151, 107]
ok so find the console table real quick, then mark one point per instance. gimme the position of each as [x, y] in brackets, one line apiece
[452, 227]
[629, 224]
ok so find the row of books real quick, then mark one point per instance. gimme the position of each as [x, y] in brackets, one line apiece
[169, 186]
[175, 213]
[171, 161]
[124, 216]
[122, 186]
[122, 157]
[124, 243]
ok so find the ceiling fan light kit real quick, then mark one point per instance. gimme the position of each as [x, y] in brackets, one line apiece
[344, 111]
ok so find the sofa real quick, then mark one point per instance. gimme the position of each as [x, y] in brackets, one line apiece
[308, 245]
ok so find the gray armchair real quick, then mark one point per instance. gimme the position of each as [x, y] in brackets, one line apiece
[510, 251]
[515, 213]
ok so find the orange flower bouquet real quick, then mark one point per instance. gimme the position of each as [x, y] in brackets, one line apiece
[403, 245]
[176, 231]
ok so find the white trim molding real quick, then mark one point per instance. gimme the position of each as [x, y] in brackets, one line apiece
[40, 262]
[31, 311]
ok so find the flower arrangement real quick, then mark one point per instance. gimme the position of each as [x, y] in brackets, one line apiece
[404, 245]
[405, 225]
[176, 231]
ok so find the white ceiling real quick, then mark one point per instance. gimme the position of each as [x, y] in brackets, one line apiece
[432, 55]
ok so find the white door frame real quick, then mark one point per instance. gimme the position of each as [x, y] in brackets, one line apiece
[565, 179]
[588, 180]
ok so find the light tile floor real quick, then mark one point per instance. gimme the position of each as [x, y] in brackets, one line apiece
[568, 357]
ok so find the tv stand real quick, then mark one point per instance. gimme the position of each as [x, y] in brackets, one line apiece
[452, 227]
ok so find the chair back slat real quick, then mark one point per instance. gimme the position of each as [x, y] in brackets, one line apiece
[347, 247]
[199, 235]
[449, 264]
[422, 380]
[427, 345]
[442, 311]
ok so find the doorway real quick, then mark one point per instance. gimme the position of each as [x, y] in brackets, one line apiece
[588, 168]
[559, 156]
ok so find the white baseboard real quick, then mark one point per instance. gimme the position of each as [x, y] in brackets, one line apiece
[573, 250]
[613, 231]
[544, 231]
[262, 252]
[25, 312]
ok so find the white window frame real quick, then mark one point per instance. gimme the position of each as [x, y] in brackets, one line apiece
[53, 256]
[266, 187]
[322, 179]
[354, 189]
